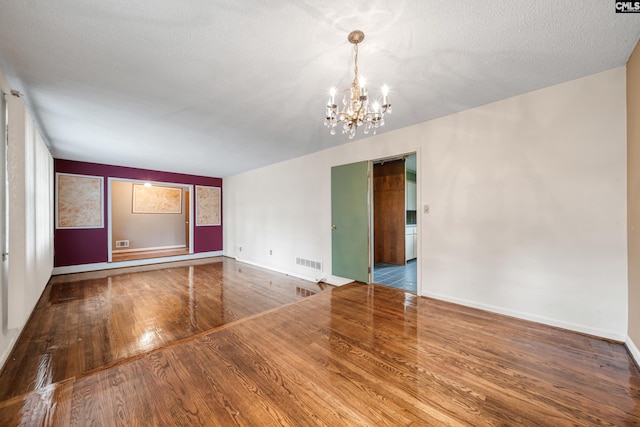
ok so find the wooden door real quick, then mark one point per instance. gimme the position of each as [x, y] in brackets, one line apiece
[389, 212]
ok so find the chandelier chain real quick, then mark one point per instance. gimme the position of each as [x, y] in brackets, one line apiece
[355, 48]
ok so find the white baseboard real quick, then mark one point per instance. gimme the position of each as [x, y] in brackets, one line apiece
[326, 278]
[331, 280]
[157, 248]
[132, 263]
[532, 317]
[277, 270]
[635, 353]
[15, 333]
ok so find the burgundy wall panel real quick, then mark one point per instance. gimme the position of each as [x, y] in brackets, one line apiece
[80, 246]
[90, 245]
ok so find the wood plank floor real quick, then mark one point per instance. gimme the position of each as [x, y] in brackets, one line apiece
[353, 355]
[158, 253]
[87, 321]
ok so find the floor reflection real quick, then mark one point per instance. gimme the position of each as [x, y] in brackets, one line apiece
[355, 355]
[81, 325]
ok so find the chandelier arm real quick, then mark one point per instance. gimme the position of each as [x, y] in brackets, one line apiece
[357, 114]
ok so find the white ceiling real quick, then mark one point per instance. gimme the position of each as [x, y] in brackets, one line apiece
[219, 87]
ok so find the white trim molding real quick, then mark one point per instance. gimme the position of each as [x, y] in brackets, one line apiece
[531, 317]
[132, 263]
[633, 350]
[281, 271]
[156, 248]
[185, 187]
[12, 335]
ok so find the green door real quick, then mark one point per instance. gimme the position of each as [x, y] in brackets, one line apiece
[350, 221]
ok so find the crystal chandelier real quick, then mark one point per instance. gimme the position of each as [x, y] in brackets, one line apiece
[356, 109]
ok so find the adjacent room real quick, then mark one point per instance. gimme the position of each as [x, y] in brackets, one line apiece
[149, 221]
[392, 213]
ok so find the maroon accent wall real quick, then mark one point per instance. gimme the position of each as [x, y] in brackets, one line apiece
[86, 246]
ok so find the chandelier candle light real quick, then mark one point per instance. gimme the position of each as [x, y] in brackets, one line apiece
[356, 110]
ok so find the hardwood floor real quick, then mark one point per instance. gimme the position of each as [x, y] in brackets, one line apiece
[159, 253]
[88, 321]
[353, 355]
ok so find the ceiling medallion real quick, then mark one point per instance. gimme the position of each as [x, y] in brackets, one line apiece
[356, 109]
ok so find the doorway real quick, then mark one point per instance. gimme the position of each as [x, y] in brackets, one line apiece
[395, 225]
[360, 249]
[149, 220]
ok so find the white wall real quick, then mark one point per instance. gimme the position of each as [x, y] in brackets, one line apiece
[30, 171]
[527, 198]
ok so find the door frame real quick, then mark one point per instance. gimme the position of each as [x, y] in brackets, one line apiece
[419, 213]
[189, 187]
[4, 208]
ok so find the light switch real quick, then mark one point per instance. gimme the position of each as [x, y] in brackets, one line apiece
[426, 209]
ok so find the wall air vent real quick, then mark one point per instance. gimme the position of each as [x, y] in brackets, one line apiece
[315, 265]
[122, 243]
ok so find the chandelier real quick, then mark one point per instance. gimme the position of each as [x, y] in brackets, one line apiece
[356, 108]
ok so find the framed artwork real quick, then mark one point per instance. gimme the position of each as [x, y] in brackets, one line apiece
[79, 201]
[158, 199]
[207, 205]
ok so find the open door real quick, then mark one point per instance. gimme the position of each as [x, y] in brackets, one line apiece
[350, 249]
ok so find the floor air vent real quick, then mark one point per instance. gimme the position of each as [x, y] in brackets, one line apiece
[122, 243]
[304, 292]
[316, 265]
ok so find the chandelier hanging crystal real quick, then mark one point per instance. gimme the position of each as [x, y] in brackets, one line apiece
[356, 109]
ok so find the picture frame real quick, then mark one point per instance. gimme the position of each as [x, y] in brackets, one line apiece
[208, 205]
[156, 199]
[79, 201]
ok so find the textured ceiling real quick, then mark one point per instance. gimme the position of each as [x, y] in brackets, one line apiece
[219, 87]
